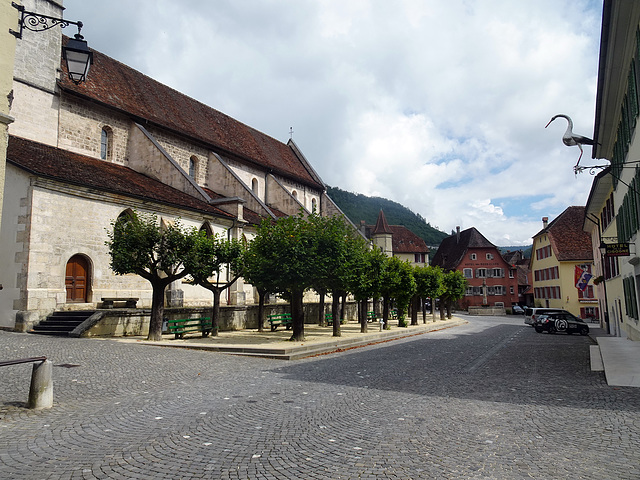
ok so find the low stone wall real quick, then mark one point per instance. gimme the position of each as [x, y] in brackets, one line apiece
[487, 311]
[135, 322]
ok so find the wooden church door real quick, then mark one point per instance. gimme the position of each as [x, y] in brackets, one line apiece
[76, 279]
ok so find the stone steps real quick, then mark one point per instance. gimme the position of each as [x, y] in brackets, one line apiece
[61, 323]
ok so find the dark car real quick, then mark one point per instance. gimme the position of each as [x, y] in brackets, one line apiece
[560, 322]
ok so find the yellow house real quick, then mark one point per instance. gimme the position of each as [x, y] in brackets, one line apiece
[558, 249]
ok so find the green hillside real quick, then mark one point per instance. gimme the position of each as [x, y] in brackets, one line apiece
[360, 207]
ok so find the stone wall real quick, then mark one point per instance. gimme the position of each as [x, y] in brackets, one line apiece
[81, 125]
[129, 322]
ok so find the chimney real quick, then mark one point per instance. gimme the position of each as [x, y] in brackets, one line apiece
[458, 234]
[545, 222]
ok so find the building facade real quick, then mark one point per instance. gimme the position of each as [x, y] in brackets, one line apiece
[558, 249]
[492, 281]
[614, 195]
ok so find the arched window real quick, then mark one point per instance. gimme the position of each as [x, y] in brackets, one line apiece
[193, 167]
[206, 228]
[314, 205]
[254, 186]
[295, 194]
[106, 143]
[125, 216]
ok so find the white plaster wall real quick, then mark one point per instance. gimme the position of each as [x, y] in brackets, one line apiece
[36, 114]
[12, 235]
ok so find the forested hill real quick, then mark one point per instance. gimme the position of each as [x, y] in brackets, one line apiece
[360, 207]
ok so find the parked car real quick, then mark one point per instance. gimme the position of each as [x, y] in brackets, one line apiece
[517, 310]
[560, 322]
[531, 313]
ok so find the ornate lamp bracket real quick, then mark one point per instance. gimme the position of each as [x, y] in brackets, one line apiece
[37, 22]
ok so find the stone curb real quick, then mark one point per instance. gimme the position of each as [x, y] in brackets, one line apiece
[295, 352]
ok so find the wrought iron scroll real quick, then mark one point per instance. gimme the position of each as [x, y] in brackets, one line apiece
[37, 22]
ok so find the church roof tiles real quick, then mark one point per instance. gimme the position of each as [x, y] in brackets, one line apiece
[73, 168]
[118, 86]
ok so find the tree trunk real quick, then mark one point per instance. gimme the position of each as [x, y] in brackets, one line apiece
[261, 296]
[321, 318]
[215, 312]
[157, 311]
[362, 308]
[442, 308]
[385, 312]
[424, 310]
[414, 310]
[343, 306]
[449, 305]
[335, 313]
[297, 316]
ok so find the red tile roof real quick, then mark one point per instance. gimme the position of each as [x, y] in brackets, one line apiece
[568, 240]
[405, 241]
[382, 226]
[121, 87]
[453, 248]
[68, 167]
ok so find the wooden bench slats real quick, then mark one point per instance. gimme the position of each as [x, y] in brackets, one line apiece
[181, 326]
[277, 319]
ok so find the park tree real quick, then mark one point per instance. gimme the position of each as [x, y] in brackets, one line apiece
[257, 271]
[140, 244]
[454, 288]
[281, 251]
[336, 251]
[432, 285]
[366, 281]
[397, 284]
[212, 257]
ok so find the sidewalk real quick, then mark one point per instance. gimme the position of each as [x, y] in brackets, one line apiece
[618, 357]
[318, 340]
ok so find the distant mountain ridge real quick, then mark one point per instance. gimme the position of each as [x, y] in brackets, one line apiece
[359, 207]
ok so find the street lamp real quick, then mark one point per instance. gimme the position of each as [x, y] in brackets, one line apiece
[76, 52]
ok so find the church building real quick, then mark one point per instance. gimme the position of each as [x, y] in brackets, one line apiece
[80, 156]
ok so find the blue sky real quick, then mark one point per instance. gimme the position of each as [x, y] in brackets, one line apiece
[440, 106]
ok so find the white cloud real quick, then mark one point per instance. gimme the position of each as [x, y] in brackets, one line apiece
[438, 105]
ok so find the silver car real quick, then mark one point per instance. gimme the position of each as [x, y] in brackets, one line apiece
[531, 313]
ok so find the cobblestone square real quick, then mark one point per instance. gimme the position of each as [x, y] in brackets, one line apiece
[488, 400]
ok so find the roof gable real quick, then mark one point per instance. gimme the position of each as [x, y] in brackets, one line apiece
[453, 248]
[568, 240]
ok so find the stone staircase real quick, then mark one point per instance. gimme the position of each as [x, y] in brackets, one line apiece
[61, 323]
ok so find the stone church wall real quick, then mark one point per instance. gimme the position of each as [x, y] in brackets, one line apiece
[81, 125]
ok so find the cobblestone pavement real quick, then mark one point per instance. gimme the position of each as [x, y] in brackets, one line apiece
[488, 400]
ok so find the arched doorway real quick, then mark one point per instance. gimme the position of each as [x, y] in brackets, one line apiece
[77, 279]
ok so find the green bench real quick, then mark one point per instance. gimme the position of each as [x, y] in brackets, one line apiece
[328, 317]
[371, 317]
[185, 325]
[277, 319]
